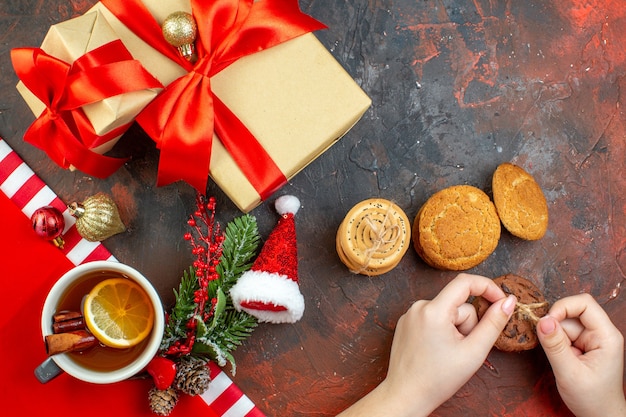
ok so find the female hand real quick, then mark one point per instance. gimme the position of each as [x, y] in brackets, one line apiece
[586, 352]
[437, 346]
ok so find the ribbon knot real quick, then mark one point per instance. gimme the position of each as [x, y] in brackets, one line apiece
[532, 311]
[381, 234]
[379, 231]
[63, 130]
[184, 117]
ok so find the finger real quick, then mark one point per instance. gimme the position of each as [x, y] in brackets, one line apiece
[573, 328]
[582, 340]
[555, 343]
[575, 332]
[487, 330]
[598, 331]
[466, 319]
[464, 285]
[584, 308]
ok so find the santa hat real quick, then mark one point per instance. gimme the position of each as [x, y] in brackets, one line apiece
[269, 290]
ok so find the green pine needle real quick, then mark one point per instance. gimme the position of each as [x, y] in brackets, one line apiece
[226, 337]
[240, 245]
[182, 311]
[228, 328]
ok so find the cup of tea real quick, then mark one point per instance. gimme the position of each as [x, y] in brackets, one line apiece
[85, 352]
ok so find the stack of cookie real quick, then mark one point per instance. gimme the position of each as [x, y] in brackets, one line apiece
[520, 332]
[373, 237]
[459, 227]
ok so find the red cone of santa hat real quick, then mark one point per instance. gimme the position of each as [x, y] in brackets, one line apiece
[270, 290]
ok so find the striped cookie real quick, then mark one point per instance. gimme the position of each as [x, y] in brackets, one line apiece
[373, 237]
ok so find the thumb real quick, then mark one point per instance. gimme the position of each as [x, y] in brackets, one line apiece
[493, 322]
[554, 341]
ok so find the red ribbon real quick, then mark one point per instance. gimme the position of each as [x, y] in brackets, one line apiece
[183, 118]
[63, 129]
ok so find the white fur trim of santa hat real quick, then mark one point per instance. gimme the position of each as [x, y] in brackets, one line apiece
[268, 287]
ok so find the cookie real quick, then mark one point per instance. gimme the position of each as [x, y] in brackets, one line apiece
[373, 237]
[520, 332]
[456, 229]
[520, 202]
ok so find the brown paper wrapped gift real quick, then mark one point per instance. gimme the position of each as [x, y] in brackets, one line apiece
[295, 98]
[70, 40]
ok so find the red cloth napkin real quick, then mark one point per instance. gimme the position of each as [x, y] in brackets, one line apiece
[29, 268]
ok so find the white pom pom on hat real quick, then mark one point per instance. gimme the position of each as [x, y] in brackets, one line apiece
[287, 204]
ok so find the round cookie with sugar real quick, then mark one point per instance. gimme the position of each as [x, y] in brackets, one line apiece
[456, 229]
[520, 202]
[520, 332]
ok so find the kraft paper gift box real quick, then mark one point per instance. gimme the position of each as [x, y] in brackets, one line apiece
[295, 98]
[68, 41]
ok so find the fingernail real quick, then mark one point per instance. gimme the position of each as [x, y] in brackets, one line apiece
[509, 305]
[547, 325]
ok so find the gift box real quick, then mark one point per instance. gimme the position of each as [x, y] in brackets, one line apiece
[294, 98]
[107, 118]
[296, 118]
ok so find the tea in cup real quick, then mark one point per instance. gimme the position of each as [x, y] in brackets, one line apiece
[94, 343]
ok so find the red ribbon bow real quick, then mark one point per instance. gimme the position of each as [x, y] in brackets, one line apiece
[63, 128]
[183, 118]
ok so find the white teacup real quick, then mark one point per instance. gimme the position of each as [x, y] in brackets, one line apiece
[77, 370]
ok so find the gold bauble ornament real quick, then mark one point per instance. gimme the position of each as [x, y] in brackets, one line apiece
[180, 30]
[97, 218]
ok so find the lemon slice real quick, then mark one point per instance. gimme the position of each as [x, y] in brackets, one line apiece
[118, 312]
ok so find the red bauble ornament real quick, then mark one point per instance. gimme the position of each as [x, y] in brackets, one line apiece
[48, 223]
[163, 371]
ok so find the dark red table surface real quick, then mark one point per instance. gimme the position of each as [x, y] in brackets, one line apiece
[458, 87]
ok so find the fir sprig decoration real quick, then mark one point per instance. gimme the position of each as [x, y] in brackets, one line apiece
[203, 320]
[175, 328]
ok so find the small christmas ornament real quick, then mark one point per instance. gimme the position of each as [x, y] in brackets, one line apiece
[163, 372]
[97, 218]
[193, 375]
[162, 401]
[48, 223]
[269, 290]
[179, 30]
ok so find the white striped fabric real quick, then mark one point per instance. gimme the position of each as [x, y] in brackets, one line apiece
[22, 186]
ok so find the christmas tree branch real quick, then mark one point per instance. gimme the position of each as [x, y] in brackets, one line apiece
[203, 320]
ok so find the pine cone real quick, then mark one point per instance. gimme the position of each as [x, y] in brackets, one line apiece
[192, 376]
[162, 402]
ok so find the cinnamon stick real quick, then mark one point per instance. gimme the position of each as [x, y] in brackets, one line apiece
[73, 341]
[66, 315]
[67, 321]
[68, 325]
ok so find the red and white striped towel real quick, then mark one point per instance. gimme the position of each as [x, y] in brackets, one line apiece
[24, 188]
[29, 192]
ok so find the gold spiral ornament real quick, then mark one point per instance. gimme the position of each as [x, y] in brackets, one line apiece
[97, 218]
[373, 237]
